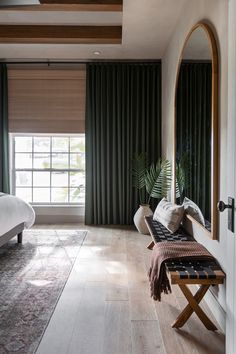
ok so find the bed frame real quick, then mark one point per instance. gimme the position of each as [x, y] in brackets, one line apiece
[16, 231]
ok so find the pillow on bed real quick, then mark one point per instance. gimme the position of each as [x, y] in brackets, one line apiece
[169, 214]
[193, 209]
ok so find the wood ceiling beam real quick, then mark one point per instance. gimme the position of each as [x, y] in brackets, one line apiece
[44, 34]
[70, 5]
[66, 8]
[89, 2]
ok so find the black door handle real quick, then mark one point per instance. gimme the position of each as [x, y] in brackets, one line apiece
[221, 206]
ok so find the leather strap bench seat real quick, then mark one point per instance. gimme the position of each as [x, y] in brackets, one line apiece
[194, 272]
[160, 233]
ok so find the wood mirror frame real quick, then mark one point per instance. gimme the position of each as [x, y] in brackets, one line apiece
[214, 129]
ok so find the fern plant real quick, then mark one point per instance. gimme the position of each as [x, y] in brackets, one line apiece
[182, 176]
[180, 181]
[139, 168]
[156, 178]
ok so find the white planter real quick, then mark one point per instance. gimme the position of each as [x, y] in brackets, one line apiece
[139, 222]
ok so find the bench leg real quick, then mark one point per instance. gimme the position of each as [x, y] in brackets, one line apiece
[151, 245]
[19, 237]
[193, 306]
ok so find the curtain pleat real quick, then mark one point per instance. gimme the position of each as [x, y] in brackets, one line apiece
[193, 131]
[123, 117]
[4, 144]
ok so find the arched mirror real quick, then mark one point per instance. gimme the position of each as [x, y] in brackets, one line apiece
[196, 128]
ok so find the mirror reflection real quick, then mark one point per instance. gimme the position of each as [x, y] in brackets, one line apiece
[193, 126]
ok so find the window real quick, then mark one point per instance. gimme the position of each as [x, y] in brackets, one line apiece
[49, 169]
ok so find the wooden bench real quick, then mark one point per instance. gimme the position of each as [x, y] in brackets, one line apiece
[203, 273]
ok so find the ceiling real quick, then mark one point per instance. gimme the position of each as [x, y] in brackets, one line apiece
[147, 26]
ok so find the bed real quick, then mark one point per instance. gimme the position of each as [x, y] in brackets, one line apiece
[15, 216]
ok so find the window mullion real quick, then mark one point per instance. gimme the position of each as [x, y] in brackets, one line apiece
[14, 170]
[50, 169]
[32, 173]
[69, 174]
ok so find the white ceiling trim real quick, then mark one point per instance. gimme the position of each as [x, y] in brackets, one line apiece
[63, 18]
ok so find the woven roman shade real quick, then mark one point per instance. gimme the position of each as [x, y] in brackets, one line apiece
[47, 100]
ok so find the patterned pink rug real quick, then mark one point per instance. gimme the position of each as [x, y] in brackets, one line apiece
[32, 277]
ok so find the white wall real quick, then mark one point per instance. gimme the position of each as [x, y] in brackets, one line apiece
[215, 12]
[59, 214]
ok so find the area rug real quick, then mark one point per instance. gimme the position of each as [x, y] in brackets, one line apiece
[32, 277]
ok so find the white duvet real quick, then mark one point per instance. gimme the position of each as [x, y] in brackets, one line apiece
[14, 211]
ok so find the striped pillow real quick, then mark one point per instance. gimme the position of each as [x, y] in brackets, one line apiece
[169, 214]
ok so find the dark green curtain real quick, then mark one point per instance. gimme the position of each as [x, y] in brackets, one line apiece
[193, 131]
[123, 117]
[4, 150]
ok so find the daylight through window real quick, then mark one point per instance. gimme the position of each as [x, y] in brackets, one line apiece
[49, 169]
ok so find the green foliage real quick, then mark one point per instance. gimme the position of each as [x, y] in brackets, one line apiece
[139, 166]
[182, 180]
[46, 164]
[158, 179]
[76, 192]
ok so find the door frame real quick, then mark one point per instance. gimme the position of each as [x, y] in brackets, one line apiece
[231, 182]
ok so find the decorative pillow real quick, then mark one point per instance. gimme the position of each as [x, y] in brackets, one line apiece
[169, 214]
[192, 209]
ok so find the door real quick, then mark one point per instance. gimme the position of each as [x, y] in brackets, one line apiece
[231, 172]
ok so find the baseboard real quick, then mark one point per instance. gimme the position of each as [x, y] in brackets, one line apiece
[59, 214]
[59, 219]
[216, 309]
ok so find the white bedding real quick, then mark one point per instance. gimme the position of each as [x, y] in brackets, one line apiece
[14, 211]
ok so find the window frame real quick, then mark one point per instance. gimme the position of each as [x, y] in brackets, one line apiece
[50, 170]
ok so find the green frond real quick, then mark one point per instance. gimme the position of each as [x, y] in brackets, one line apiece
[139, 165]
[158, 179]
[180, 181]
[182, 176]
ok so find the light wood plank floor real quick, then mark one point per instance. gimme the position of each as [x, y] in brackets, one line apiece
[106, 308]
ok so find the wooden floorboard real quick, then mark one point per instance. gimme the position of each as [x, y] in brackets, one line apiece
[167, 310]
[146, 337]
[106, 307]
[117, 328]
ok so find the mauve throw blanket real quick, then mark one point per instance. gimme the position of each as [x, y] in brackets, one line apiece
[170, 251]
